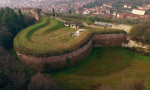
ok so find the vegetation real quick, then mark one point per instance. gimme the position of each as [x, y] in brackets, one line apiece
[104, 68]
[37, 39]
[141, 32]
[67, 61]
[14, 75]
[107, 67]
[43, 82]
[104, 30]
[10, 24]
[53, 13]
[147, 84]
[116, 3]
[93, 19]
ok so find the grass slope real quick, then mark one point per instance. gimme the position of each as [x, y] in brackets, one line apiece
[110, 66]
[49, 37]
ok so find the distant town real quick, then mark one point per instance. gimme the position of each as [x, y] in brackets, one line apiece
[77, 7]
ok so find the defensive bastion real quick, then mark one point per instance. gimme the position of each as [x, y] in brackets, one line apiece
[44, 55]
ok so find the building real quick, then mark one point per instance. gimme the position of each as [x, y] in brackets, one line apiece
[140, 7]
[86, 11]
[103, 24]
[139, 11]
[30, 12]
[108, 12]
[127, 6]
[107, 5]
[121, 15]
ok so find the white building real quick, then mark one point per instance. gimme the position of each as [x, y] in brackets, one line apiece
[107, 5]
[127, 6]
[86, 12]
[139, 11]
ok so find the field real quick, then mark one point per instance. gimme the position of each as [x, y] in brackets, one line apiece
[111, 67]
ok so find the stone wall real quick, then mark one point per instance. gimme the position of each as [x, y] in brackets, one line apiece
[137, 46]
[59, 62]
[119, 26]
[56, 62]
[109, 39]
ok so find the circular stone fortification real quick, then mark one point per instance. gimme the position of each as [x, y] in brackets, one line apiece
[49, 45]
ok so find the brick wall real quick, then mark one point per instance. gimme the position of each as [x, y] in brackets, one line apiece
[109, 39]
[56, 62]
[59, 62]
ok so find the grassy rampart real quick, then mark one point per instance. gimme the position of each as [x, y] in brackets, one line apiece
[49, 38]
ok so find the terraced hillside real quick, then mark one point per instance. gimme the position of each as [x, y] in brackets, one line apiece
[47, 38]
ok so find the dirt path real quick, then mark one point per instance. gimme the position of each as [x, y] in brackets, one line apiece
[123, 27]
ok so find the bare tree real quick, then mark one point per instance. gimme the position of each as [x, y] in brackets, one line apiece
[43, 82]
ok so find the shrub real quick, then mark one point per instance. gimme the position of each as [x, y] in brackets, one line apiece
[67, 61]
[147, 84]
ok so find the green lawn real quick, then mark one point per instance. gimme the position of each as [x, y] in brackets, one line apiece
[109, 66]
[87, 21]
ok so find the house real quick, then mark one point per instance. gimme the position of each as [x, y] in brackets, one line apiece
[127, 6]
[96, 13]
[140, 7]
[108, 12]
[139, 11]
[148, 5]
[114, 14]
[121, 15]
[86, 11]
[133, 16]
[107, 5]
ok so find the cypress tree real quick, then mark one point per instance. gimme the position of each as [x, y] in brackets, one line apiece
[69, 11]
[53, 12]
[21, 19]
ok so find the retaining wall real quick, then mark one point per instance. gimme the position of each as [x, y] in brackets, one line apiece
[56, 62]
[60, 62]
[109, 39]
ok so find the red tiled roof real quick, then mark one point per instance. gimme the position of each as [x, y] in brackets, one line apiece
[140, 9]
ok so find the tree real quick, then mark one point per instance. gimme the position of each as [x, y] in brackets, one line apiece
[6, 38]
[1, 13]
[69, 11]
[147, 84]
[11, 20]
[21, 19]
[53, 12]
[43, 82]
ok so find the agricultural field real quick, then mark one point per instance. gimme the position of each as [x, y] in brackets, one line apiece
[112, 68]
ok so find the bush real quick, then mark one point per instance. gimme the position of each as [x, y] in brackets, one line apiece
[147, 84]
[43, 82]
[67, 61]
[141, 32]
